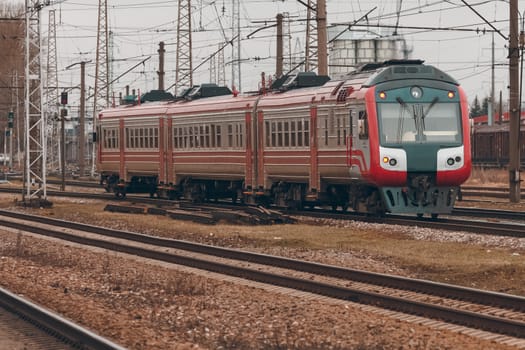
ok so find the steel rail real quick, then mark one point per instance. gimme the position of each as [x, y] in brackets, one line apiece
[489, 213]
[468, 318]
[479, 227]
[53, 324]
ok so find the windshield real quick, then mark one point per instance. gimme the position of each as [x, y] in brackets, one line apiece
[433, 122]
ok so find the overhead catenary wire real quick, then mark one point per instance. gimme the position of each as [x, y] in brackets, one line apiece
[145, 43]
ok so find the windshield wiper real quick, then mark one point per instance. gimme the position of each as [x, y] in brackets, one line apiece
[434, 101]
[401, 118]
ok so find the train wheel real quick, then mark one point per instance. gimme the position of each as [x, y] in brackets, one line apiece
[120, 194]
[420, 215]
[434, 215]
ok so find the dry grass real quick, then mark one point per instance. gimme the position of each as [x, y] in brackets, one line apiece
[488, 176]
[472, 265]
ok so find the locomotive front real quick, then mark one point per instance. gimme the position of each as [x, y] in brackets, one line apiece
[422, 139]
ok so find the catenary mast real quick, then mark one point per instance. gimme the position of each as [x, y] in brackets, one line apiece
[183, 70]
[34, 193]
[101, 93]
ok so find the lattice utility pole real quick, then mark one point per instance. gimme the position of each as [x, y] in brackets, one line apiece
[101, 93]
[310, 63]
[213, 70]
[236, 47]
[183, 70]
[221, 70]
[51, 91]
[35, 193]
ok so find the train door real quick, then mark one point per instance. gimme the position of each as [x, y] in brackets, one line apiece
[358, 153]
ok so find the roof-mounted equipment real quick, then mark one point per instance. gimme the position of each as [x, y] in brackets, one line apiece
[204, 90]
[299, 80]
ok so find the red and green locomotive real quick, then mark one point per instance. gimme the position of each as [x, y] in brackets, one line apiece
[391, 137]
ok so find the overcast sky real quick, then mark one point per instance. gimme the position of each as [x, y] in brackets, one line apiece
[137, 26]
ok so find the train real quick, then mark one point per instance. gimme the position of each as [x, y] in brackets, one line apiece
[390, 137]
[490, 144]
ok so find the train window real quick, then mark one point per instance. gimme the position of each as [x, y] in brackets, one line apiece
[300, 133]
[293, 136]
[110, 138]
[332, 122]
[274, 135]
[421, 123]
[338, 132]
[230, 135]
[279, 134]
[185, 137]
[191, 137]
[156, 138]
[207, 136]
[352, 116]
[363, 125]
[212, 128]
[202, 136]
[239, 133]
[196, 135]
[286, 134]
[152, 138]
[267, 131]
[326, 132]
[345, 131]
[307, 133]
[218, 135]
[176, 138]
[128, 138]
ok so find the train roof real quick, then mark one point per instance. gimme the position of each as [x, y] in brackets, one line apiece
[376, 73]
[299, 89]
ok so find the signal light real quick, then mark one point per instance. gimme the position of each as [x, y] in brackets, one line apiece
[451, 94]
[63, 98]
[382, 95]
[10, 118]
[385, 160]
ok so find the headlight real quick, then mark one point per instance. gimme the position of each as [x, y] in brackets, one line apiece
[416, 92]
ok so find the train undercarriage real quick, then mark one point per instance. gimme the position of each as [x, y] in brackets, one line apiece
[419, 196]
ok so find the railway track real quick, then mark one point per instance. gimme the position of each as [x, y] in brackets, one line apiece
[484, 191]
[486, 311]
[488, 226]
[490, 213]
[52, 330]
[511, 229]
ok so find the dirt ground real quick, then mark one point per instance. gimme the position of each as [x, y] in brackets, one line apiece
[141, 305]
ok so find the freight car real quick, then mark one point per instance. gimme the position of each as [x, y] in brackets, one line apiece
[490, 145]
[391, 137]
